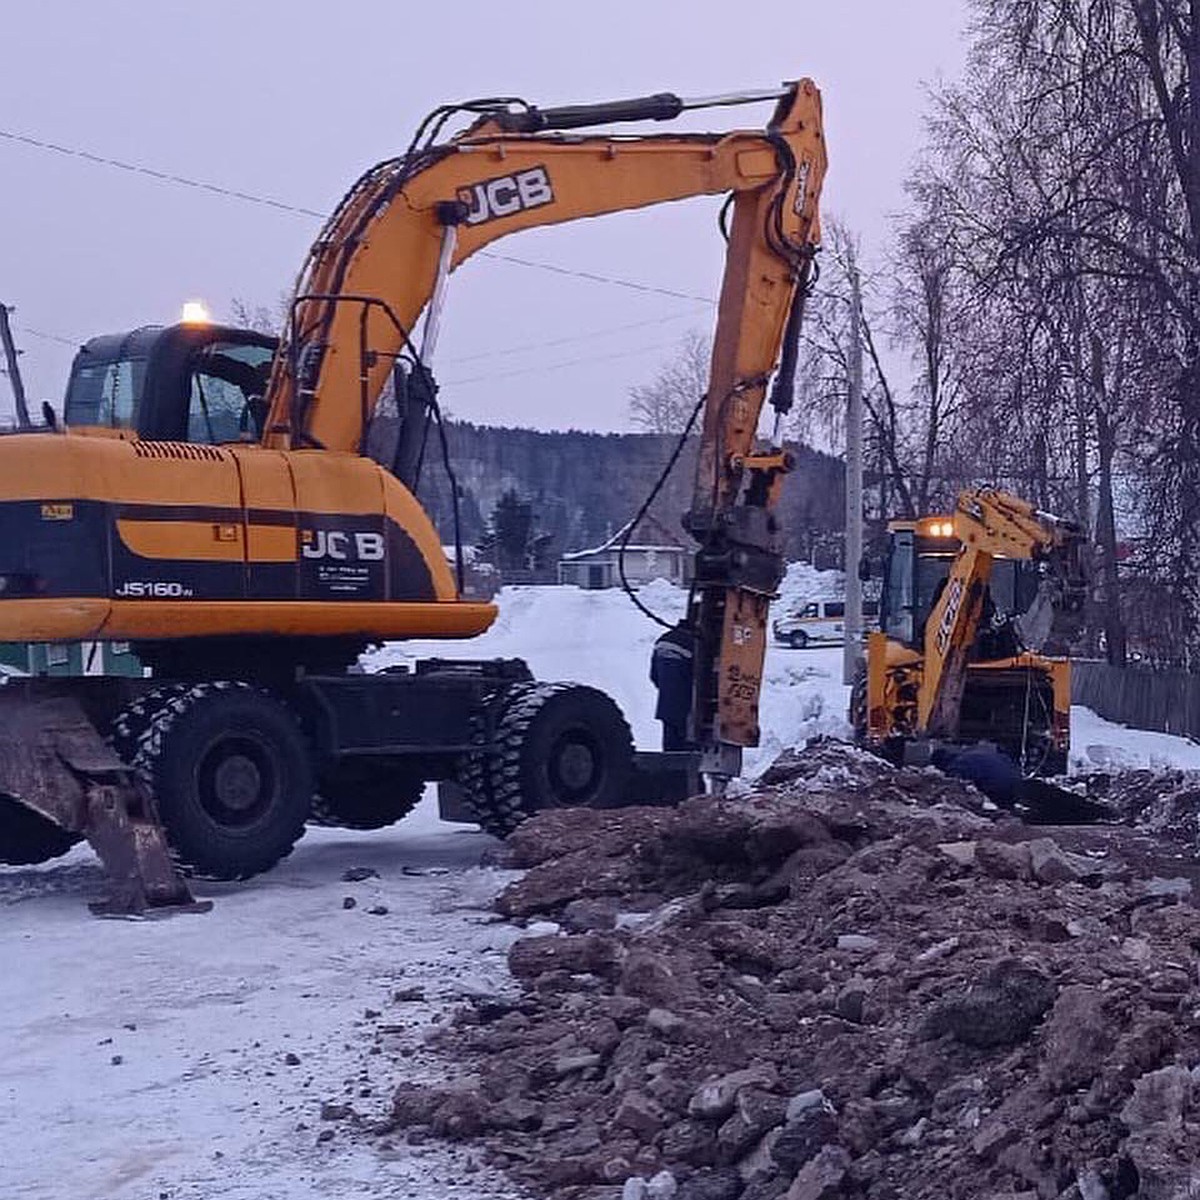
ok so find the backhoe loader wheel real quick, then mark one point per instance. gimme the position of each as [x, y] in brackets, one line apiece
[230, 770]
[361, 795]
[558, 745]
[26, 837]
[858, 705]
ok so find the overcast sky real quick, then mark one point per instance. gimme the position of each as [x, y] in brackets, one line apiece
[291, 99]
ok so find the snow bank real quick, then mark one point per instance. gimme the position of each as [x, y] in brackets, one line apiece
[803, 582]
[1100, 745]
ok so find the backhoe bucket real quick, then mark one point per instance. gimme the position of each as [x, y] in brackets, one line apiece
[59, 778]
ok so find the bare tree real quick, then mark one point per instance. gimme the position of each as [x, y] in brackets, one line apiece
[666, 403]
[261, 317]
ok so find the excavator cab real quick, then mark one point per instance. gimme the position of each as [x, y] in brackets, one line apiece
[192, 382]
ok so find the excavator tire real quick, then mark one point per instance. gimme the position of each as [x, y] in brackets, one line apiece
[230, 770]
[558, 745]
[365, 796]
[130, 724]
[476, 773]
[26, 837]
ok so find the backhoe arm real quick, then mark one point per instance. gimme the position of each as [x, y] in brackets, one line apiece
[991, 524]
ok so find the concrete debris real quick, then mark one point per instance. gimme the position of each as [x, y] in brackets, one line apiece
[850, 984]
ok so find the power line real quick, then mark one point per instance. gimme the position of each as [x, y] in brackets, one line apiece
[161, 176]
[542, 368]
[50, 337]
[592, 277]
[282, 206]
[490, 354]
[523, 348]
[564, 341]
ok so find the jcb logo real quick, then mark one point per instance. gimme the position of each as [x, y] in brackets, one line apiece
[340, 546]
[949, 615]
[506, 195]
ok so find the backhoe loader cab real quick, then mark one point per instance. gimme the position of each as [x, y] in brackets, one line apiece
[919, 557]
[191, 382]
[1014, 699]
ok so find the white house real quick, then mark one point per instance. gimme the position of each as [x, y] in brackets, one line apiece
[655, 554]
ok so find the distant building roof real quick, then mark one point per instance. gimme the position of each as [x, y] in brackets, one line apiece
[648, 524]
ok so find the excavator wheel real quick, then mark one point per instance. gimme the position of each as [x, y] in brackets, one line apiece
[476, 773]
[26, 837]
[230, 770]
[365, 796]
[558, 745]
[131, 723]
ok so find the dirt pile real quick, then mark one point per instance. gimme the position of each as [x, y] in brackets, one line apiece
[1159, 802]
[850, 984]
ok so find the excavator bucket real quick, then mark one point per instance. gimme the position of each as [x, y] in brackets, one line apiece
[61, 781]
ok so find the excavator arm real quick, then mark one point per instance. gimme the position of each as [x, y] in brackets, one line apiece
[386, 253]
[990, 524]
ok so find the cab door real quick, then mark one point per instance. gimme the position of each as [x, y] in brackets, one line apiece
[269, 524]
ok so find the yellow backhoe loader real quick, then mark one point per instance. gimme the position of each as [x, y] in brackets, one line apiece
[970, 602]
[207, 496]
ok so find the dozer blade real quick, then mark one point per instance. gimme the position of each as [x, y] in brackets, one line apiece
[55, 764]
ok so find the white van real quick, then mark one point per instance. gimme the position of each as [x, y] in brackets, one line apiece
[819, 623]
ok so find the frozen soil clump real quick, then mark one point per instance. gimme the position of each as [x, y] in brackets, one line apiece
[851, 983]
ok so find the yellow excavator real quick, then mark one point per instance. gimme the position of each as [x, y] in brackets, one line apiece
[970, 602]
[208, 497]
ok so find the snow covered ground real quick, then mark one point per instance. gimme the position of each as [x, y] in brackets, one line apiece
[143, 1060]
[188, 1059]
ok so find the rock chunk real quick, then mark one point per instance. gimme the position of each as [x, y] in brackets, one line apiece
[822, 1177]
[999, 1009]
[714, 1100]
[1078, 1038]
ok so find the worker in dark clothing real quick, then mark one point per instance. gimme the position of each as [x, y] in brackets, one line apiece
[989, 769]
[671, 667]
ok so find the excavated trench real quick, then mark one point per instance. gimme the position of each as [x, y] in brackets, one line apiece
[857, 982]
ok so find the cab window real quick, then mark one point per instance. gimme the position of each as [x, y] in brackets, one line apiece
[809, 612]
[105, 393]
[227, 388]
[898, 589]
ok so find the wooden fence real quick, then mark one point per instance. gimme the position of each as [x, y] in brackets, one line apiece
[1166, 701]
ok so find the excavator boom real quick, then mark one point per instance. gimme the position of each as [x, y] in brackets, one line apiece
[376, 265]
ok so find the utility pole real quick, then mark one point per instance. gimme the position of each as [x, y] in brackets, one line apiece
[854, 486]
[14, 368]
